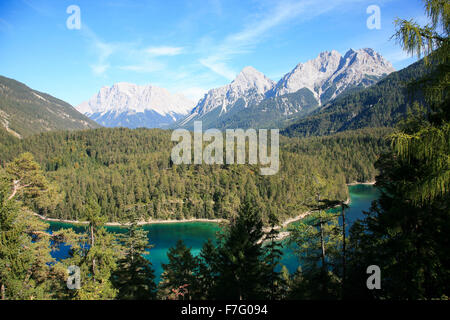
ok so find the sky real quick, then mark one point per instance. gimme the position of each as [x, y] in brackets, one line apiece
[185, 46]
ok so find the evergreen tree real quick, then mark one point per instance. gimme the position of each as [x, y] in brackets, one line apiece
[15, 260]
[207, 271]
[406, 232]
[27, 270]
[96, 253]
[240, 257]
[317, 241]
[284, 283]
[28, 180]
[273, 257]
[134, 277]
[178, 280]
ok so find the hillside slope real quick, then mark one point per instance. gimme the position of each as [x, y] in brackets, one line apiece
[24, 111]
[381, 105]
[129, 173]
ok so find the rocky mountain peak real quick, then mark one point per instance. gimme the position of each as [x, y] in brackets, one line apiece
[320, 79]
[330, 73]
[250, 78]
[126, 97]
[250, 85]
[136, 105]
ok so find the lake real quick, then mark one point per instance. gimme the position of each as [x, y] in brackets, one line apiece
[194, 234]
[361, 197]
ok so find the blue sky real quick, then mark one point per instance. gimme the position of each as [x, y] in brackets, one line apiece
[184, 46]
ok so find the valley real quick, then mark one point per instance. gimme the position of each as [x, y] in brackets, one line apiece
[224, 151]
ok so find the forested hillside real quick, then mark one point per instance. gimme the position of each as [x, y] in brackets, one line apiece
[130, 171]
[24, 111]
[381, 105]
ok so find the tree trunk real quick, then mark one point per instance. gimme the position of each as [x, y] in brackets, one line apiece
[323, 246]
[343, 250]
[3, 291]
[15, 188]
[323, 285]
[93, 259]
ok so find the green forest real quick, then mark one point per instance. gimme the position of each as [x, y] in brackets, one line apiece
[383, 104]
[103, 175]
[129, 173]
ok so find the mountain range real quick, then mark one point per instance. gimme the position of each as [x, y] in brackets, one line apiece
[251, 99]
[382, 105]
[130, 105]
[328, 94]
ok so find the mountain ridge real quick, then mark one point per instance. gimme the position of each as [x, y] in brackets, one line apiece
[25, 111]
[132, 105]
[331, 68]
[381, 105]
[316, 81]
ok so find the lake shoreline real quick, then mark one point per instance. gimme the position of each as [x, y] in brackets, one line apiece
[284, 224]
[355, 183]
[284, 234]
[119, 224]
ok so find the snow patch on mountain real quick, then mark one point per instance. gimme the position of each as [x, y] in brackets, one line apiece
[249, 85]
[330, 74]
[141, 103]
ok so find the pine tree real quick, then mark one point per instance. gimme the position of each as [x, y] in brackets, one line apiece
[273, 257]
[240, 257]
[178, 280]
[207, 271]
[15, 260]
[27, 270]
[134, 277]
[284, 283]
[96, 253]
[317, 242]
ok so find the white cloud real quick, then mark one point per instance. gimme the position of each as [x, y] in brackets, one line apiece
[102, 49]
[133, 56]
[256, 31]
[214, 63]
[145, 67]
[194, 93]
[164, 51]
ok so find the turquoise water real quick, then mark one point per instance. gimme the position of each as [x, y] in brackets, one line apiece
[361, 197]
[194, 234]
[161, 236]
